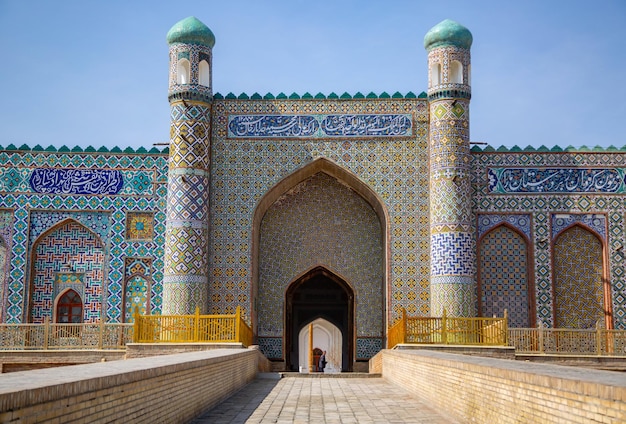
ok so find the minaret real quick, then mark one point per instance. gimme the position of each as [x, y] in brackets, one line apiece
[452, 235]
[186, 261]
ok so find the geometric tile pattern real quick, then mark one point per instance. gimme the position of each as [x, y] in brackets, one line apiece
[69, 256]
[139, 226]
[366, 348]
[596, 222]
[503, 276]
[520, 222]
[578, 285]
[145, 176]
[272, 347]
[6, 239]
[320, 222]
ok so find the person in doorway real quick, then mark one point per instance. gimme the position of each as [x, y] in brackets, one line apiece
[322, 363]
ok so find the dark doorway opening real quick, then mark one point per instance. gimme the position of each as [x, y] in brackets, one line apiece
[319, 294]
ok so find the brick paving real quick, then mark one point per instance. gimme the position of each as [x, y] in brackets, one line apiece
[271, 399]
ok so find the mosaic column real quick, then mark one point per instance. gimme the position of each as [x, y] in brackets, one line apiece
[452, 234]
[186, 264]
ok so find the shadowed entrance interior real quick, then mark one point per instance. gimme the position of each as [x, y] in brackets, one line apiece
[319, 294]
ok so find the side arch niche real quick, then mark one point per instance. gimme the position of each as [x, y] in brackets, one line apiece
[503, 277]
[67, 256]
[319, 217]
[580, 284]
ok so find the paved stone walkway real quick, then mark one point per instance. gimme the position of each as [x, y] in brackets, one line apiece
[269, 399]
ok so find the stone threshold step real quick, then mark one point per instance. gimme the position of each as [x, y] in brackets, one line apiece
[328, 375]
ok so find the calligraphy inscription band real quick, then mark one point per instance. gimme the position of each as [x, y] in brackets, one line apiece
[556, 180]
[76, 181]
[320, 126]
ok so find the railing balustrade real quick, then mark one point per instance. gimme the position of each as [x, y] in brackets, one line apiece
[192, 328]
[448, 330]
[55, 336]
[568, 341]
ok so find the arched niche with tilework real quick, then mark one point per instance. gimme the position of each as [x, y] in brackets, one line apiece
[504, 277]
[67, 256]
[580, 288]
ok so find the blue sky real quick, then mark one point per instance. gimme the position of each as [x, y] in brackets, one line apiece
[95, 72]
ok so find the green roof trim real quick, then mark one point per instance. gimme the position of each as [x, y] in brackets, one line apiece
[63, 148]
[116, 150]
[77, 149]
[129, 150]
[11, 147]
[37, 148]
[51, 148]
[321, 96]
[24, 147]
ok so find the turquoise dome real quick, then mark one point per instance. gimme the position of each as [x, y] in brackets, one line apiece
[191, 31]
[448, 33]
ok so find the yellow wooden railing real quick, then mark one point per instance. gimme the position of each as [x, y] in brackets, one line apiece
[568, 341]
[192, 328]
[448, 330]
[55, 336]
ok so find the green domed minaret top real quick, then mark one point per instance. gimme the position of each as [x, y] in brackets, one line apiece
[448, 33]
[191, 31]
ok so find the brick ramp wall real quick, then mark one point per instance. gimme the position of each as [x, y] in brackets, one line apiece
[169, 388]
[489, 390]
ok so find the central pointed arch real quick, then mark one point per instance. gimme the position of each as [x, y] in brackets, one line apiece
[316, 178]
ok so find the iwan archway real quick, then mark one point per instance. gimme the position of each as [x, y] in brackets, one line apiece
[319, 296]
[321, 217]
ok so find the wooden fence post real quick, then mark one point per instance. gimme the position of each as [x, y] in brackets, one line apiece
[404, 325]
[541, 345]
[444, 327]
[196, 325]
[46, 332]
[237, 323]
[101, 335]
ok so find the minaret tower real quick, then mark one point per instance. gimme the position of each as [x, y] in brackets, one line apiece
[452, 235]
[186, 261]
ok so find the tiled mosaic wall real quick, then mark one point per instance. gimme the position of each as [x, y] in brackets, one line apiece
[251, 153]
[117, 196]
[557, 189]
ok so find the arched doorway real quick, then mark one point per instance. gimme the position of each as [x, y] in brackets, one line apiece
[326, 338]
[319, 294]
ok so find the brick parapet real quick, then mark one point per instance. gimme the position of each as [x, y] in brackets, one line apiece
[487, 390]
[169, 388]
